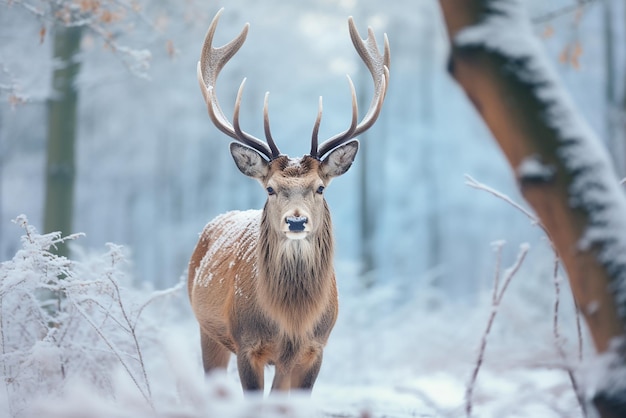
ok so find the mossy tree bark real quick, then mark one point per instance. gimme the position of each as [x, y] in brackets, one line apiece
[511, 99]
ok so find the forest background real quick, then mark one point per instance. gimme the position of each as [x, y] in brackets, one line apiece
[150, 169]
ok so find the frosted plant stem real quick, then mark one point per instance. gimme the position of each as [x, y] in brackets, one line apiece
[496, 277]
[580, 334]
[5, 371]
[558, 341]
[131, 327]
[471, 182]
[510, 273]
[560, 12]
[157, 295]
[82, 312]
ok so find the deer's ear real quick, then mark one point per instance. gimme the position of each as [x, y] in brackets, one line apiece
[340, 159]
[249, 161]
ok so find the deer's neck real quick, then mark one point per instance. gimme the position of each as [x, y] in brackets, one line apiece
[296, 277]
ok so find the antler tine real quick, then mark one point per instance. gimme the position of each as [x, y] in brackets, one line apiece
[212, 60]
[378, 66]
[266, 127]
[346, 135]
[316, 129]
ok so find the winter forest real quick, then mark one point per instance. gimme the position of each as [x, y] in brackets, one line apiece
[453, 300]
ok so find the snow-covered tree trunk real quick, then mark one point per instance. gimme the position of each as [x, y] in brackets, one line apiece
[562, 169]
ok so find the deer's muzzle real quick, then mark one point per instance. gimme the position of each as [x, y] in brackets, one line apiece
[296, 223]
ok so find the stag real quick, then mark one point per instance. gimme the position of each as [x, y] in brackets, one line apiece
[262, 282]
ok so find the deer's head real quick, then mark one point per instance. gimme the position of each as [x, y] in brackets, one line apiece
[295, 205]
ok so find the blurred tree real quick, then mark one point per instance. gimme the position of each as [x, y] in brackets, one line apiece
[428, 161]
[108, 20]
[561, 168]
[367, 215]
[615, 97]
[61, 135]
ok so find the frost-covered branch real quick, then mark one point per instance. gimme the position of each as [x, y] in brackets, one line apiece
[571, 8]
[107, 20]
[115, 351]
[557, 288]
[471, 182]
[558, 340]
[92, 332]
[498, 294]
[115, 254]
[561, 167]
[158, 294]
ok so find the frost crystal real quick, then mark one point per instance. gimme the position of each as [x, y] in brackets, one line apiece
[238, 234]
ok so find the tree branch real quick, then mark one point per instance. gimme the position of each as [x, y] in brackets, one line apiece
[561, 167]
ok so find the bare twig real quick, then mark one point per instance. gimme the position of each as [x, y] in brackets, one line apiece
[579, 332]
[131, 326]
[498, 246]
[555, 326]
[498, 294]
[561, 11]
[115, 351]
[157, 295]
[5, 371]
[471, 182]
[557, 299]
[558, 341]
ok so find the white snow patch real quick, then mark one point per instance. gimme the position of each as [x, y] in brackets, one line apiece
[592, 307]
[236, 233]
[595, 188]
[395, 352]
[533, 168]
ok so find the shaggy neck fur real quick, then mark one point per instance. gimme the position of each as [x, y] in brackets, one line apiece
[295, 276]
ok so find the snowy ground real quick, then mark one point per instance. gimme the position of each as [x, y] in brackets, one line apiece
[395, 352]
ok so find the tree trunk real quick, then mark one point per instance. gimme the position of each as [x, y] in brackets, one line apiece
[367, 214]
[62, 109]
[368, 263]
[561, 169]
[614, 116]
[622, 104]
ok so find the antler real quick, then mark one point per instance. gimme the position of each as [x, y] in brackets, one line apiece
[378, 66]
[212, 60]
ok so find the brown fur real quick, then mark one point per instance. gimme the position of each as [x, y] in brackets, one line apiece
[262, 283]
[267, 298]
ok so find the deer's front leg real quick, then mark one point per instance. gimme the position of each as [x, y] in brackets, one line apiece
[282, 379]
[214, 354]
[251, 364]
[308, 367]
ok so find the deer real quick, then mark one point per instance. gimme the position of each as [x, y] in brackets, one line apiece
[262, 283]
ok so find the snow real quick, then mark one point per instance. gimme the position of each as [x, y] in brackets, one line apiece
[405, 346]
[395, 352]
[595, 187]
[236, 230]
[533, 169]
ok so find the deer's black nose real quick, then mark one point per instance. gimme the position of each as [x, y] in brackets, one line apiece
[296, 223]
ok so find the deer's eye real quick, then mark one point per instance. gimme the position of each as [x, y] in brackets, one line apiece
[320, 190]
[271, 191]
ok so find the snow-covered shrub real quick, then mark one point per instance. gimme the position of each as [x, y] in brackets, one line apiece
[63, 320]
[78, 339]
